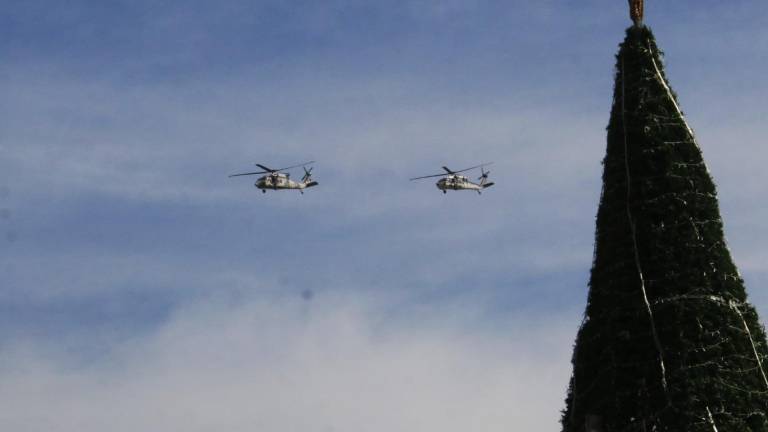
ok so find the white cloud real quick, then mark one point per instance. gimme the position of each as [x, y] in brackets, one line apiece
[330, 364]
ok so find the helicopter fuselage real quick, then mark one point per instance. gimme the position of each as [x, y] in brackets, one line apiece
[458, 182]
[280, 181]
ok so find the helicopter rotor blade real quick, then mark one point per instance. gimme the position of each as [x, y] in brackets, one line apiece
[250, 173]
[471, 168]
[435, 175]
[266, 168]
[294, 166]
[452, 172]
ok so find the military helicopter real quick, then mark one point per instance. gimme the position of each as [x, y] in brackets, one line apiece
[276, 180]
[453, 181]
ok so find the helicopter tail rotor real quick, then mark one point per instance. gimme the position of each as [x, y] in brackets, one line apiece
[307, 175]
[484, 175]
[307, 179]
[484, 178]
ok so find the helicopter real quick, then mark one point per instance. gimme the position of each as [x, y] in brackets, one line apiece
[276, 180]
[453, 181]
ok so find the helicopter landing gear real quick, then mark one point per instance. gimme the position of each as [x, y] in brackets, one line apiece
[263, 191]
[445, 192]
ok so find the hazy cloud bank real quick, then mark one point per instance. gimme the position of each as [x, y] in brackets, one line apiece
[324, 364]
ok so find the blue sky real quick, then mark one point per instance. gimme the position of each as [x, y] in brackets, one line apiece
[143, 285]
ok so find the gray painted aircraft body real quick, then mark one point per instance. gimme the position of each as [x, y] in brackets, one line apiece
[452, 180]
[276, 180]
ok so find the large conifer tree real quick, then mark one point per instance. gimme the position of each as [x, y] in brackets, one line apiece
[668, 341]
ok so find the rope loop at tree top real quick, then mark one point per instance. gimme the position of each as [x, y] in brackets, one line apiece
[636, 11]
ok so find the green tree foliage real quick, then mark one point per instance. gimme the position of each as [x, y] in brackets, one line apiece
[668, 341]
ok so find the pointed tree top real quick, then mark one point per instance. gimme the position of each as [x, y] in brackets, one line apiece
[636, 11]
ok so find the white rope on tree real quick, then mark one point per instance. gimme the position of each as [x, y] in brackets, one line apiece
[733, 306]
[711, 420]
[671, 97]
[664, 84]
[751, 341]
[638, 265]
